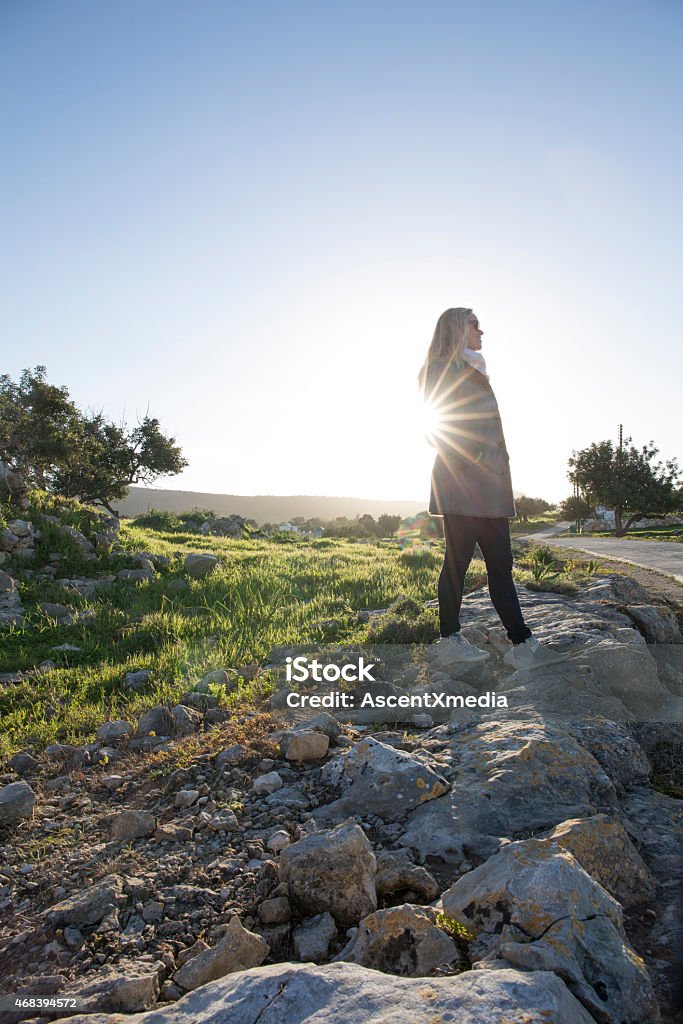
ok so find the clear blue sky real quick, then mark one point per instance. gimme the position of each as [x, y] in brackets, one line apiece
[246, 218]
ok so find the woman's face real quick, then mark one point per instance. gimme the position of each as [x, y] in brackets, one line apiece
[474, 332]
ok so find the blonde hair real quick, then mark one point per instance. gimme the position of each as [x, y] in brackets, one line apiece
[448, 341]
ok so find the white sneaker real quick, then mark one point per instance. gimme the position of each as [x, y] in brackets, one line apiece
[455, 648]
[531, 654]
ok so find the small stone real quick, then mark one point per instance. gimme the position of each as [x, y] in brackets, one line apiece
[17, 801]
[199, 564]
[113, 782]
[275, 911]
[224, 820]
[129, 825]
[267, 783]
[306, 746]
[55, 611]
[186, 797]
[278, 841]
[112, 732]
[313, 937]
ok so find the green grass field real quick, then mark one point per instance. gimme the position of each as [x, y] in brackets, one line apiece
[265, 592]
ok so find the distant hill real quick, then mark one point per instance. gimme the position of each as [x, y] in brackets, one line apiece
[264, 508]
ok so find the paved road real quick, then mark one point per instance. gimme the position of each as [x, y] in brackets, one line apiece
[662, 556]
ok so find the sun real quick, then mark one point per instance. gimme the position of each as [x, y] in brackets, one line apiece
[431, 420]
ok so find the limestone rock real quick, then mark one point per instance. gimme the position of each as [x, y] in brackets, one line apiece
[306, 746]
[323, 722]
[380, 780]
[268, 783]
[534, 906]
[23, 763]
[17, 801]
[331, 870]
[127, 989]
[224, 820]
[348, 994]
[657, 623]
[395, 871]
[602, 847]
[275, 911]
[55, 611]
[199, 564]
[237, 950]
[403, 940]
[278, 841]
[629, 672]
[132, 824]
[313, 937]
[157, 720]
[114, 731]
[511, 777]
[90, 906]
[185, 720]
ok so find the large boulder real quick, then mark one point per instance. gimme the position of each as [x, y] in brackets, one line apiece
[332, 870]
[380, 780]
[348, 994]
[534, 906]
[403, 940]
[602, 847]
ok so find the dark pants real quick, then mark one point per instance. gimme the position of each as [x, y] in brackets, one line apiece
[493, 536]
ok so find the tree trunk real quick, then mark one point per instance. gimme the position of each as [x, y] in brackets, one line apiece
[619, 530]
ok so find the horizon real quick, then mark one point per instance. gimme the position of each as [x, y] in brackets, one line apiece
[258, 257]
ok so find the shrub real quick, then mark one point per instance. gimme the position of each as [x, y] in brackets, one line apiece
[158, 519]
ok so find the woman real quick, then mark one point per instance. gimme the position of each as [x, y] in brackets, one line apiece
[471, 488]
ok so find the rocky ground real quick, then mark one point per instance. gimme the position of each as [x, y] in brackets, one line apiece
[474, 864]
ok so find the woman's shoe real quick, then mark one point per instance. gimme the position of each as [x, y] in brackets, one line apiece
[532, 654]
[455, 649]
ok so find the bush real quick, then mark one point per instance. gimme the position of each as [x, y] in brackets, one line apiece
[197, 515]
[158, 519]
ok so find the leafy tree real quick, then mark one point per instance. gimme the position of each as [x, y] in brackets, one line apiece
[531, 507]
[54, 446]
[628, 480]
[107, 459]
[387, 525]
[38, 425]
[573, 508]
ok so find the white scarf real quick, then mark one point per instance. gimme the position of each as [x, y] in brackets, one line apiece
[475, 359]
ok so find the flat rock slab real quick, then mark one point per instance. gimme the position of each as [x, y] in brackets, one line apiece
[508, 777]
[350, 994]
